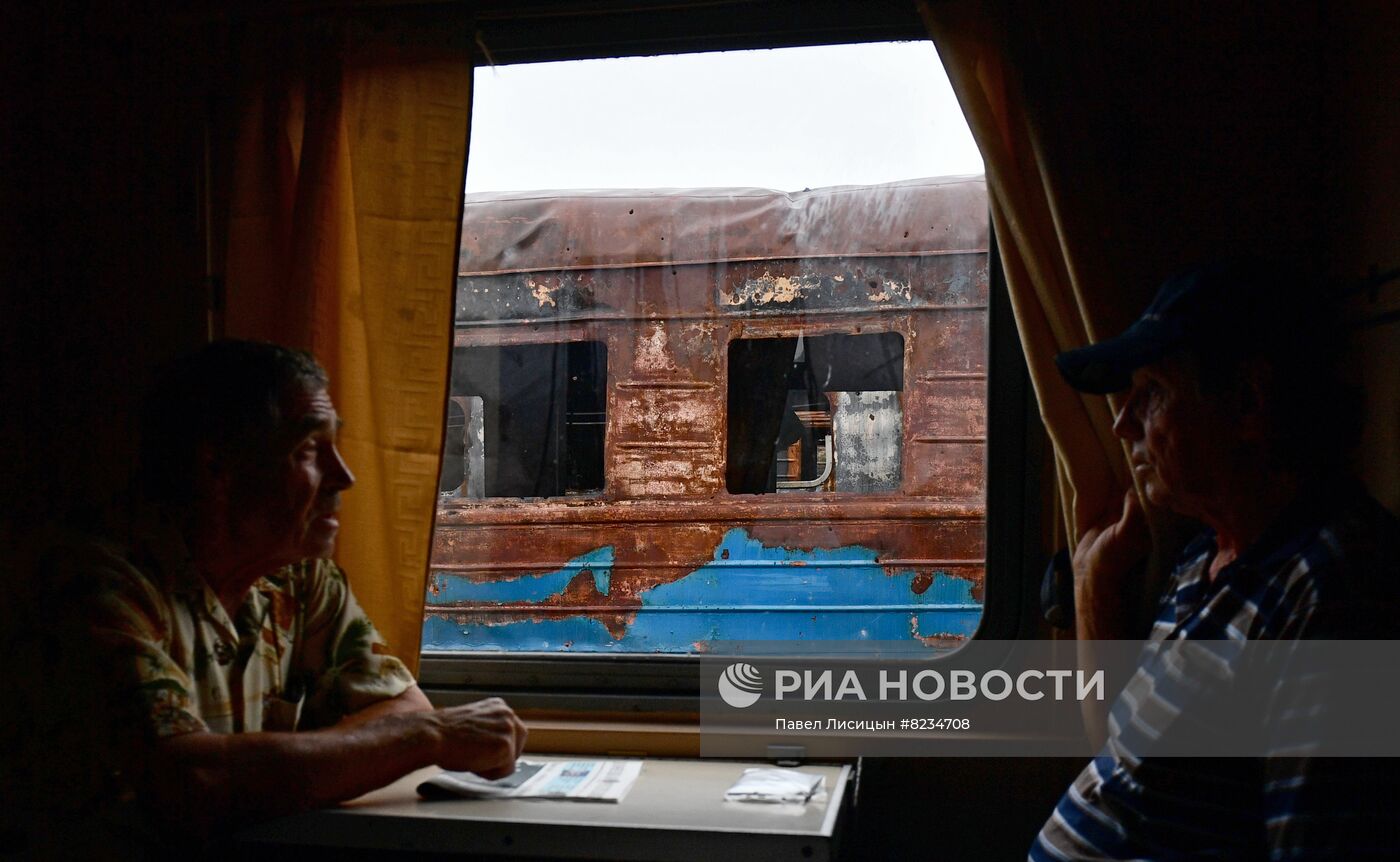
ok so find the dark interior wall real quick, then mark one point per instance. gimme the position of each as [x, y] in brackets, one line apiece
[954, 808]
[1360, 217]
[103, 258]
[101, 265]
[1175, 132]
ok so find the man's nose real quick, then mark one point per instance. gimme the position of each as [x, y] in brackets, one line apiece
[1126, 424]
[339, 474]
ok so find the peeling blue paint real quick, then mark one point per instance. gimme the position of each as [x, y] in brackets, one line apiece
[530, 588]
[748, 591]
[850, 577]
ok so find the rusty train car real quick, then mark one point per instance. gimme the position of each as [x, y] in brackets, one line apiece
[686, 416]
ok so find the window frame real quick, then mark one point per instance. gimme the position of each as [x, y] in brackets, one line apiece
[819, 330]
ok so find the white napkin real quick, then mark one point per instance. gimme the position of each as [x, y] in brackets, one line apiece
[774, 785]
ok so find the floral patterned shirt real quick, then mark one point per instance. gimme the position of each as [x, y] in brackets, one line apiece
[299, 653]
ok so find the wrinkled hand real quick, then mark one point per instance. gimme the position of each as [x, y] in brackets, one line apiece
[484, 737]
[1105, 555]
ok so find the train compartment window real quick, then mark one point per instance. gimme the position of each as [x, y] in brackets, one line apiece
[525, 420]
[815, 413]
[706, 390]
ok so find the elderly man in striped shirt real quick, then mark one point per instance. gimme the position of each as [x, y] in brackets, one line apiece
[1233, 417]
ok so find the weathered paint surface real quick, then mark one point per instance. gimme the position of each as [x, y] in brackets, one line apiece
[867, 430]
[748, 591]
[806, 288]
[596, 565]
[666, 282]
[527, 295]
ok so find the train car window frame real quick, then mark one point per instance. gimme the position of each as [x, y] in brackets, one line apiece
[530, 421]
[831, 402]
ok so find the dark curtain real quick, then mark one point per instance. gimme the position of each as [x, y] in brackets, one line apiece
[857, 363]
[758, 373]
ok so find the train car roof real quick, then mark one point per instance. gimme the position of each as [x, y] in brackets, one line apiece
[504, 232]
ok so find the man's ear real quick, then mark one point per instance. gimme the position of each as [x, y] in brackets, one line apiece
[1254, 398]
[212, 476]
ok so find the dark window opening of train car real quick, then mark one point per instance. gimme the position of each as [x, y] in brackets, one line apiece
[815, 413]
[709, 386]
[525, 420]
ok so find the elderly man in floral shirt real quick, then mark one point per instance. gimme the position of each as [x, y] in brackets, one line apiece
[241, 677]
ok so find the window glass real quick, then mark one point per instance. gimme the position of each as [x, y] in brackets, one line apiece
[698, 399]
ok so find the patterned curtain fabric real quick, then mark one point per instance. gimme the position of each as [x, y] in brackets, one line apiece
[347, 161]
[1120, 148]
[1048, 217]
[1043, 254]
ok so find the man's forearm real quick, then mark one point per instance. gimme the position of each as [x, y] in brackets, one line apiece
[214, 781]
[1099, 610]
[412, 700]
[207, 782]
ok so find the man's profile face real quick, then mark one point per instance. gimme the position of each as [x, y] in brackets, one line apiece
[1179, 439]
[292, 511]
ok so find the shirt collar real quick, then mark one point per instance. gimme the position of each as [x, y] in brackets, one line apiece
[156, 536]
[1297, 524]
[1288, 533]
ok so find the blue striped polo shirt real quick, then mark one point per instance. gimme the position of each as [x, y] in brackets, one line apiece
[1329, 567]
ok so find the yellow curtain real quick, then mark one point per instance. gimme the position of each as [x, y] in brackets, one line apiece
[1120, 147]
[348, 155]
[1042, 252]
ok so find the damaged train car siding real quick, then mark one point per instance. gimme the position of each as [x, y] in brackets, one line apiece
[611, 320]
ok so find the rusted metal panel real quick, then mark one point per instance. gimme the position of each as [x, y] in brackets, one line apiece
[747, 591]
[852, 285]
[664, 558]
[530, 295]
[668, 410]
[868, 430]
[952, 407]
[559, 590]
[563, 230]
[801, 286]
[601, 513]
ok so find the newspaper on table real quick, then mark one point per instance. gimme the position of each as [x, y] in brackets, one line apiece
[581, 780]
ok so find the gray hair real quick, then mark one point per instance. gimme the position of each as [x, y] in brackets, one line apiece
[226, 395]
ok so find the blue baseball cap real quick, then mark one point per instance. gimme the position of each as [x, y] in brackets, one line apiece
[1235, 305]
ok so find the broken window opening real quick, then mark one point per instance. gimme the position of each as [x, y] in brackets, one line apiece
[526, 420]
[815, 413]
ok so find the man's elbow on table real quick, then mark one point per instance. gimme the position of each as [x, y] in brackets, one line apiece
[202, 784]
